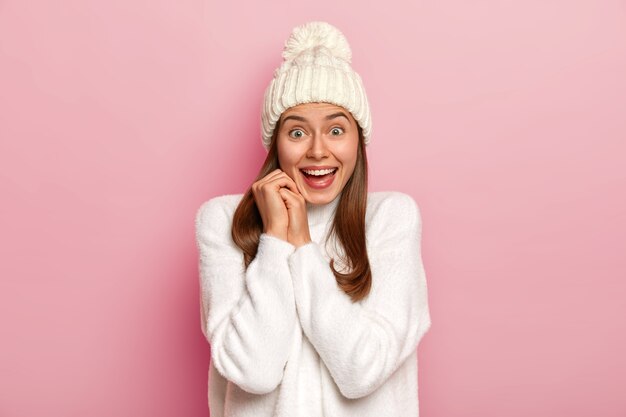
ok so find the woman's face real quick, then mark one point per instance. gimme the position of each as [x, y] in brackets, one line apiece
[314, 139]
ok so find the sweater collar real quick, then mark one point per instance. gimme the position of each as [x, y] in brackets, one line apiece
[322, 213]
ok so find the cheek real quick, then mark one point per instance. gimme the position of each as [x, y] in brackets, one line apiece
[287, 159]
[348, 155]
[350, 168]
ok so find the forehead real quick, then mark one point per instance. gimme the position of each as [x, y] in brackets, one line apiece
[315, 109]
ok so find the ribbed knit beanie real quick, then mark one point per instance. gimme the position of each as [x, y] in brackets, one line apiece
[316, 68]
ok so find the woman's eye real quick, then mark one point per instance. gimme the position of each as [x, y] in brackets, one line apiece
[296, 133]
[335, 129]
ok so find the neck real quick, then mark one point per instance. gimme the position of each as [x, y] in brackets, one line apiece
[322, 213]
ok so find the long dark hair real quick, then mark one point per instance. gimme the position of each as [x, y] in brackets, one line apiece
[348, 224]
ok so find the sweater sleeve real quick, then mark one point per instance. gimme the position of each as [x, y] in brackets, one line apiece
[247, 316]
[363, 343]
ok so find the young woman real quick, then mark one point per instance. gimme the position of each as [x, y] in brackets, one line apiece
[313, 291]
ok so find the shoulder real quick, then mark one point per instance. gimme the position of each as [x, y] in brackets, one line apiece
[218, 211]
[390, 206]
[390, 215]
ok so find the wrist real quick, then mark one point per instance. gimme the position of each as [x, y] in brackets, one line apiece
[301, 242]
[282, 236]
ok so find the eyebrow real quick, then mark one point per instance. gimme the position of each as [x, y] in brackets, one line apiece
[329, 117]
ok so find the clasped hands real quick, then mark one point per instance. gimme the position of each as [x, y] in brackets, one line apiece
[282, 208]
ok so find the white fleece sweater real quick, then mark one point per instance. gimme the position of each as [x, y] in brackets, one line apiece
[287, 341]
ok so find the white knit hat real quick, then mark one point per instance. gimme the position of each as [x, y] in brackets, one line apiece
[316, 68]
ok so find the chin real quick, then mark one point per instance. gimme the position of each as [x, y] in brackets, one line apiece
[320, 198]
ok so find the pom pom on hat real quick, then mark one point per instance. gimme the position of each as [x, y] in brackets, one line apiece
[314, 34]
[316, 68]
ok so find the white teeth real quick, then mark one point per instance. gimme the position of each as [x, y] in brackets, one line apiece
[319, 171]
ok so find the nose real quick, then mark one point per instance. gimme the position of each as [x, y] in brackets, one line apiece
[318, 148]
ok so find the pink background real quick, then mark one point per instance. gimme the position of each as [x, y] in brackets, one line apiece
[506, 121]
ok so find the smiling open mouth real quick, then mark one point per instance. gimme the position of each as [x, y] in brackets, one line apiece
[319, 173]
[319, 178]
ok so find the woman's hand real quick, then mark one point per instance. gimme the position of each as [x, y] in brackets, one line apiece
[282, 208]
[270, 203]
[298, 230]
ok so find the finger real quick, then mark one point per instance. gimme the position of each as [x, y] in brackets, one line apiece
[286, 181]
[262, 183]
[269, 176]
[286, 192]
[288, 197]
[291, 199]
[274, 173]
